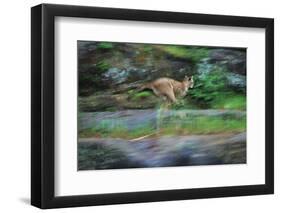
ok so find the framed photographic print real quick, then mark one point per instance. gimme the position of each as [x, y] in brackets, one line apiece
[140, 106]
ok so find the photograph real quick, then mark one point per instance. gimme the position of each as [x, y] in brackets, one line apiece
[144, 105]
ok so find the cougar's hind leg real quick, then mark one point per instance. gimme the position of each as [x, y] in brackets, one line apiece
[156, 92]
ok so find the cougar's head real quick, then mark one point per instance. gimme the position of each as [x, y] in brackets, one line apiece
[189, 82]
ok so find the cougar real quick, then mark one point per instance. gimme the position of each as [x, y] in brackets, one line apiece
[169, 88]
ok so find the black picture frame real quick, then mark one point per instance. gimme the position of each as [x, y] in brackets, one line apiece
[43, 102]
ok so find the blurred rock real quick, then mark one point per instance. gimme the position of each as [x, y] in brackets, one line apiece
[85, 48]
[235, 60]
[236, 81]
[158, 152]
[117, 76]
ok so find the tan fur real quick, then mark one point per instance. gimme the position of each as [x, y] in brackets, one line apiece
[169, 88]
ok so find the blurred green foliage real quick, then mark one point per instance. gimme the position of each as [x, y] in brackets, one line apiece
[141, 95]
[230, 100]
[102, 66]
[209, 86]
[211, 91]
[105, 45]
[117, 131]
[194, 54]
[173, 125]
[184, 103]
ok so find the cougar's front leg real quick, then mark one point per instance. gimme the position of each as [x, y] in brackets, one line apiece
[170, 94]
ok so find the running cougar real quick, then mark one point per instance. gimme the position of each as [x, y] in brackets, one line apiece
[169, 88]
